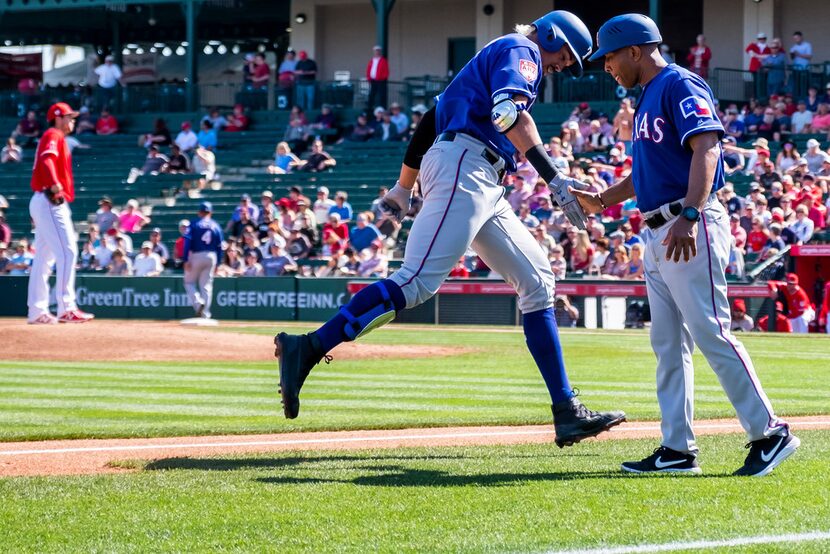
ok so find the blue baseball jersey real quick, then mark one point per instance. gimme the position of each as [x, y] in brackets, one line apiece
[203, 235]
[508, 65]
[674, 105]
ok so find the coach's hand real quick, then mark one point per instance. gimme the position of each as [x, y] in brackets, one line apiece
[681, 240]
[396, 202]
[590, 202]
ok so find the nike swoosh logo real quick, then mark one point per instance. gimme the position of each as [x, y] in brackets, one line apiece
[660, 464]
[768, 456]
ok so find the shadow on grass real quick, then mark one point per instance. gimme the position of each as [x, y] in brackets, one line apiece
[238, 464]
[389, 470]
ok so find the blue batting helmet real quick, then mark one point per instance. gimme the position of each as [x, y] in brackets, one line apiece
[559, 28]
[629, 29]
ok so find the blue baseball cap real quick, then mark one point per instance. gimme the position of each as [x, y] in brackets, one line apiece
[206, 207]
[629, 29]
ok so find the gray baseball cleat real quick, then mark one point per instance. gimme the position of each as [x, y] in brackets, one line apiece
[297, 355]
[574, 422]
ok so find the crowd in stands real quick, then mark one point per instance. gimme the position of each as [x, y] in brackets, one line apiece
[772, 149]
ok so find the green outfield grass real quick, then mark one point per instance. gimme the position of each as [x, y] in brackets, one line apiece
[532, 498]
[495, 383]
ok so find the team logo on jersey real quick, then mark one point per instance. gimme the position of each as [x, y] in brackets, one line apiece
[529, 70]
[695, 105]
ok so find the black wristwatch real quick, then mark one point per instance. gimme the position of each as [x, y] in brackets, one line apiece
[691, 213]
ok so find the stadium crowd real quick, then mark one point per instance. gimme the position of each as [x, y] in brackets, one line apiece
[776, 195]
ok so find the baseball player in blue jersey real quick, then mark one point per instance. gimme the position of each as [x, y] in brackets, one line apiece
[202, 252]
[462, 148]
[678, 166]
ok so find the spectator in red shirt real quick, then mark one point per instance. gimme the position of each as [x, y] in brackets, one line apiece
[106, 124]
[261, 72]
[237, 121]
[757, 237]
[178, 246]
[336, 226]
[782, 324]
[460, 270]
[699, 56]
[800, 310]
[757, 51]
[377, 72]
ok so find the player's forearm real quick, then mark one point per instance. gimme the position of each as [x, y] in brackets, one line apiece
[702, 169]
[524, 135]
[421, 141]
[49, 164]
[620, 192]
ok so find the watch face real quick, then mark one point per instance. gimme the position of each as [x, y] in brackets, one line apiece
[691, 213]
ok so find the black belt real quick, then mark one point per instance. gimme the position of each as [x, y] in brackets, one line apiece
[658, 219]
[491, 157]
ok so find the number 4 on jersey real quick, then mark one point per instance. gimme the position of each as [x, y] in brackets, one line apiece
[206, 236]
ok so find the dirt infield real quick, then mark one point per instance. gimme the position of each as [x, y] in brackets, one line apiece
[152, 341]
[83, 457]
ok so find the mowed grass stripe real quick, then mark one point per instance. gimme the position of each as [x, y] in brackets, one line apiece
[495, 383]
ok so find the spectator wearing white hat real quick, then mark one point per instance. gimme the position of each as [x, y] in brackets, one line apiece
[323, 204]
[109, 77]
[815, 156]
[757, 51]
[147, 263]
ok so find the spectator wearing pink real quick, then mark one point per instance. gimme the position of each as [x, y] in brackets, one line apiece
[525, 170]
[106, 124]
[757, 51]
[624, 122]
[540, 191]
[376, 263]
[131, 220]
[821, 121]
[738, 232]
[699, 56]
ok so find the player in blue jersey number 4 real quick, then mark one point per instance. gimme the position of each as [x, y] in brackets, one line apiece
[678, 167]
[461, 149]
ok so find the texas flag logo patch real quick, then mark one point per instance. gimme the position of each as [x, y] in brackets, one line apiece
[529, 70]
[695, 105]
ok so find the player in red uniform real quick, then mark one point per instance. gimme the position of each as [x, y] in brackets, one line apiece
[55, 239]
[800, 309]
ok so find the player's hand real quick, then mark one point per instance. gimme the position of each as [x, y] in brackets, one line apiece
[396, 202]
[187, 266]
[681, 240]
[590, 202]
[561, 189]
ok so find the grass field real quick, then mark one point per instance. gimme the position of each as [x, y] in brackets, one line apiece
[486, 499]
[531, 498]
[496, 383]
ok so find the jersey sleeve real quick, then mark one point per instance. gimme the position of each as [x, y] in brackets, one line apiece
[693, 109]
[515, 70]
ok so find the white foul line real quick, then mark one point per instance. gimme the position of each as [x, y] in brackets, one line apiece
[696, 545]
[346, 440]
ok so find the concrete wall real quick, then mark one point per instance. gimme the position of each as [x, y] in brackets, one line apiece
[524, 11]
[811, 18]
[723, 28]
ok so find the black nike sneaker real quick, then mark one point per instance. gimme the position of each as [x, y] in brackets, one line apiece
[767, 454]
[664, 460]
[573, 422]
[297, 354]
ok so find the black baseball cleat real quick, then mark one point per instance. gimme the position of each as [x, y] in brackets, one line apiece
[767, 454]
[297, 354]
[664, 460]
[573, 422]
